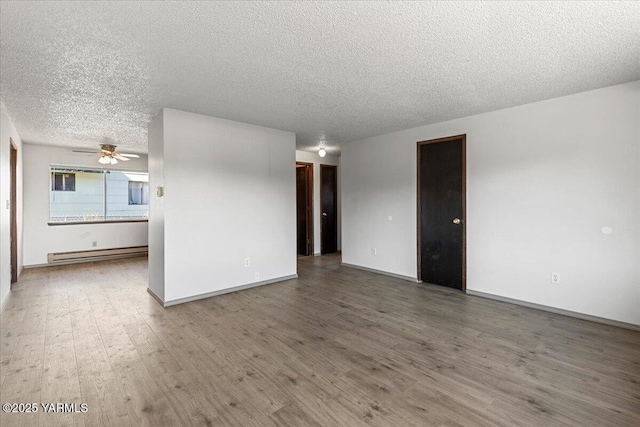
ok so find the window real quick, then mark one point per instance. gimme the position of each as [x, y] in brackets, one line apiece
[63, 181]
[93, 195]
[138, 193]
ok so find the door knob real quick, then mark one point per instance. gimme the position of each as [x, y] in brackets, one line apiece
[456, 221]
[324, 214]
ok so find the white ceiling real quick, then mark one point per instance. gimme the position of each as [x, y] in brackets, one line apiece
[74, 74]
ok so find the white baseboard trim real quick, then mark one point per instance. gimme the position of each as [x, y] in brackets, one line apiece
[221, 291]
[569, 313]
[29, 267]
[384, 273]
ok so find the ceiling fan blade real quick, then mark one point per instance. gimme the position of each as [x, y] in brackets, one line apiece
[133, 156]
[106, 151]
[85, 151]
[119, 157]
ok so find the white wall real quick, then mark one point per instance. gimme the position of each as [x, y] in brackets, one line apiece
[542, 180]
[7, 131]
[156, 206]
[308, 157]
[229, 195]
[40, 238]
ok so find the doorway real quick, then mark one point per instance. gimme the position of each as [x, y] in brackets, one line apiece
[328, 209]
[304, 208]
[441, 212]
[13, 222]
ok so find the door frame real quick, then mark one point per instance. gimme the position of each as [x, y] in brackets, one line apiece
[464, 204]
[309, 178]
[335, 204]
[13, 221]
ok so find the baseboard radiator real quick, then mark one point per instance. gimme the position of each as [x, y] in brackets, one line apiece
[96, 255]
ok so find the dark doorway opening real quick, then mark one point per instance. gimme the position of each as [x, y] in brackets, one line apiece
[304, 208]
[328, 209]
[13, 209]
[441, 211]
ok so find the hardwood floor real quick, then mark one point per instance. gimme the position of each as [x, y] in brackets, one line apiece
[337, 346]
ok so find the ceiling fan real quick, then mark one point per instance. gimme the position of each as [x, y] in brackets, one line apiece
[109, 155]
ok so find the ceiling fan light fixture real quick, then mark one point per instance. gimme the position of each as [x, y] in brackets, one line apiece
[109, 156]
[108, 148]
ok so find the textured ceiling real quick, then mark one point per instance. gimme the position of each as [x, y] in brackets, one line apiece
[74, 74]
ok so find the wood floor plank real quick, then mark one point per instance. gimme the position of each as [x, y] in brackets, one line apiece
[292, 416]
[23, 383]
[60, 379]
[335, 347]
[100, 391]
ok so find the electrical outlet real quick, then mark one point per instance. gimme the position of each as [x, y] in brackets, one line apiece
[94, 244]
[256, 275]
[247, 262]
[555, 278]
[374, 251]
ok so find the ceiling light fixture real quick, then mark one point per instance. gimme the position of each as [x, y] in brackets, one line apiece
[107, 159]
[322, 152]
[109, 155]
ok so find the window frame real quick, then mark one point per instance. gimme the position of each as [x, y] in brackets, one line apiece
[58, 168]
[64, 180]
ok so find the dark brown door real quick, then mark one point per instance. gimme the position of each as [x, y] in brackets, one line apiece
[13, 221]
[304, 208]
[328, 209]
[441, 211]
